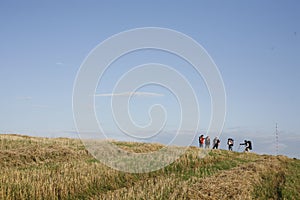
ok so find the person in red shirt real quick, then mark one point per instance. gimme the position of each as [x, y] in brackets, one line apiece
[201, 141]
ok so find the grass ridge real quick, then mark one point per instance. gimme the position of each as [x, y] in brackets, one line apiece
[61, 168]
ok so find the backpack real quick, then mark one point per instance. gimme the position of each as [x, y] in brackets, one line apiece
[250, 145]
[230, 141]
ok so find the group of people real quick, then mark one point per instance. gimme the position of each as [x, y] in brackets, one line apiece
[204, 142]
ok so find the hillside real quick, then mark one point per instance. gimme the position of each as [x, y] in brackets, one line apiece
[43, 168]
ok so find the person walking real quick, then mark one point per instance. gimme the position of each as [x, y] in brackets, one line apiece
[230, 144]
[201, 141]
[216, 142]
[207, 142]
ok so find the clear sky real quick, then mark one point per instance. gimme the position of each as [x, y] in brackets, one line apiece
[255, 44]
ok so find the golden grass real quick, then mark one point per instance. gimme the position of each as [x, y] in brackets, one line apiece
[43, 168]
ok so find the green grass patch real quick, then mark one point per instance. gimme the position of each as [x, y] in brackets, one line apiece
[281, 184]
[291, 188]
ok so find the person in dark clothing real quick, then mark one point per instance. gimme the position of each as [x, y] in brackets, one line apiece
[216, 142]
[248, 145]
[230, 144]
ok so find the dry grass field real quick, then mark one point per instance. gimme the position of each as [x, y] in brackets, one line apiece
[43, 168]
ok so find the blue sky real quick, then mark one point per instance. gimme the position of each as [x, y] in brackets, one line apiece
[255, 45]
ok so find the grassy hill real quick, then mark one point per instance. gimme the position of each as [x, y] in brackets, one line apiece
[43, 168]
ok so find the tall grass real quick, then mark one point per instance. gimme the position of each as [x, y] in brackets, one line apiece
[282, 183]
[41, 168]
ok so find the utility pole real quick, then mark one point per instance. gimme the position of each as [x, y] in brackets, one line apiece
[276, 137]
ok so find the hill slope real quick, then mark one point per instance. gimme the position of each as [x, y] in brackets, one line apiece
[42, 168]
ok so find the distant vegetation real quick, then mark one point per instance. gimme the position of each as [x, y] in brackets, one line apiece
[42, 168]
